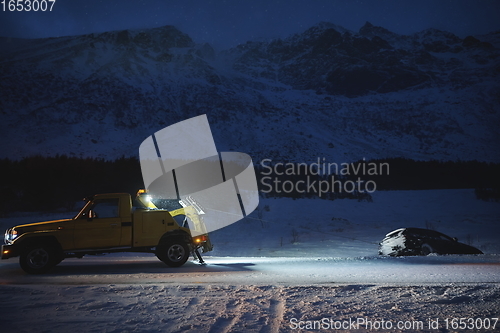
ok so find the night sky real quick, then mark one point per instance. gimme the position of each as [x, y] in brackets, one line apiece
[227, 23]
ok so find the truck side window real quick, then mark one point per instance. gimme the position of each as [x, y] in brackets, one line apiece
[104, 208]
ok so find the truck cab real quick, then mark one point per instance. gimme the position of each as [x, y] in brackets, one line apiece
[109, 223]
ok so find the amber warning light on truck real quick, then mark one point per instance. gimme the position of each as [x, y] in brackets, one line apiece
[181, 162]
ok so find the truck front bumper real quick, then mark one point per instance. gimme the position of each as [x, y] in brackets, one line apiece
[8, 251]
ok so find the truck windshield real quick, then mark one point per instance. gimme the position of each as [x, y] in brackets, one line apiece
[138, 204]
[168, 204]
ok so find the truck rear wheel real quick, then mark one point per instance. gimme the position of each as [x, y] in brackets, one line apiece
[173, 252]
[38, 259]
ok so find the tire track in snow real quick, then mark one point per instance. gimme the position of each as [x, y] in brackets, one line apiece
[235, 308]
[192, 307]
[227, 321]
[276, 314]
[193, 313]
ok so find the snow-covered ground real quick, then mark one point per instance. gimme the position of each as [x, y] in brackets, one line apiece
[250, 295]
[349, 228]
[294, 264]
[246, 307]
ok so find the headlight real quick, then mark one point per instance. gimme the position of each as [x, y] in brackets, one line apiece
[10, 235]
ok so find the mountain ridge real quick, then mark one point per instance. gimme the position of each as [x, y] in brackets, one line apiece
[326, 92]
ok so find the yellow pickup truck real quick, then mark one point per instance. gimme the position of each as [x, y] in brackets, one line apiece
[111, 223]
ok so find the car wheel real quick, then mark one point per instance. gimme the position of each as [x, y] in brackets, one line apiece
[173, 252]
[38, 259]
[426, 249]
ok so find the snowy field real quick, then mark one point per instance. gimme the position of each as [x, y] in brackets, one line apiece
[295, 265]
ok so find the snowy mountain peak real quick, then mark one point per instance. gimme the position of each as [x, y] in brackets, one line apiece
[322, 26]
[326, 92]
[165, 37]
[369, 30]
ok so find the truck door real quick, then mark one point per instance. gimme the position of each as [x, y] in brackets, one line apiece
[99, 226]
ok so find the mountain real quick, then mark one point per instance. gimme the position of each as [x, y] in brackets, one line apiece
[324, 93]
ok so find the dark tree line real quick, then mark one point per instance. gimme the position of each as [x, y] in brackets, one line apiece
[400, 174]
[50, 183]
[408, 174]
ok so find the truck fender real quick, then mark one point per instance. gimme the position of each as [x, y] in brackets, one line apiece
[176, 234]
[30, 239]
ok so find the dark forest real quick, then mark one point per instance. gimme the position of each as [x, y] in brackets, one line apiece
[59, 183]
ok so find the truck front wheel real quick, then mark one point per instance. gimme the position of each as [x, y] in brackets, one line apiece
[38, 259]
[173, 252]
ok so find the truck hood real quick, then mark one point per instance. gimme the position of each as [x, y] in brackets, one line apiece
[39, 225]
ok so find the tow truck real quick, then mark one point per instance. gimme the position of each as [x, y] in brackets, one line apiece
[109, 223]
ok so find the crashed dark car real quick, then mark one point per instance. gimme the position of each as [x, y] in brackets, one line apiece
[416, 242]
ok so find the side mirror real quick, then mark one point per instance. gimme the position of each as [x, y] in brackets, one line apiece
[455, 239]
[92, 215]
